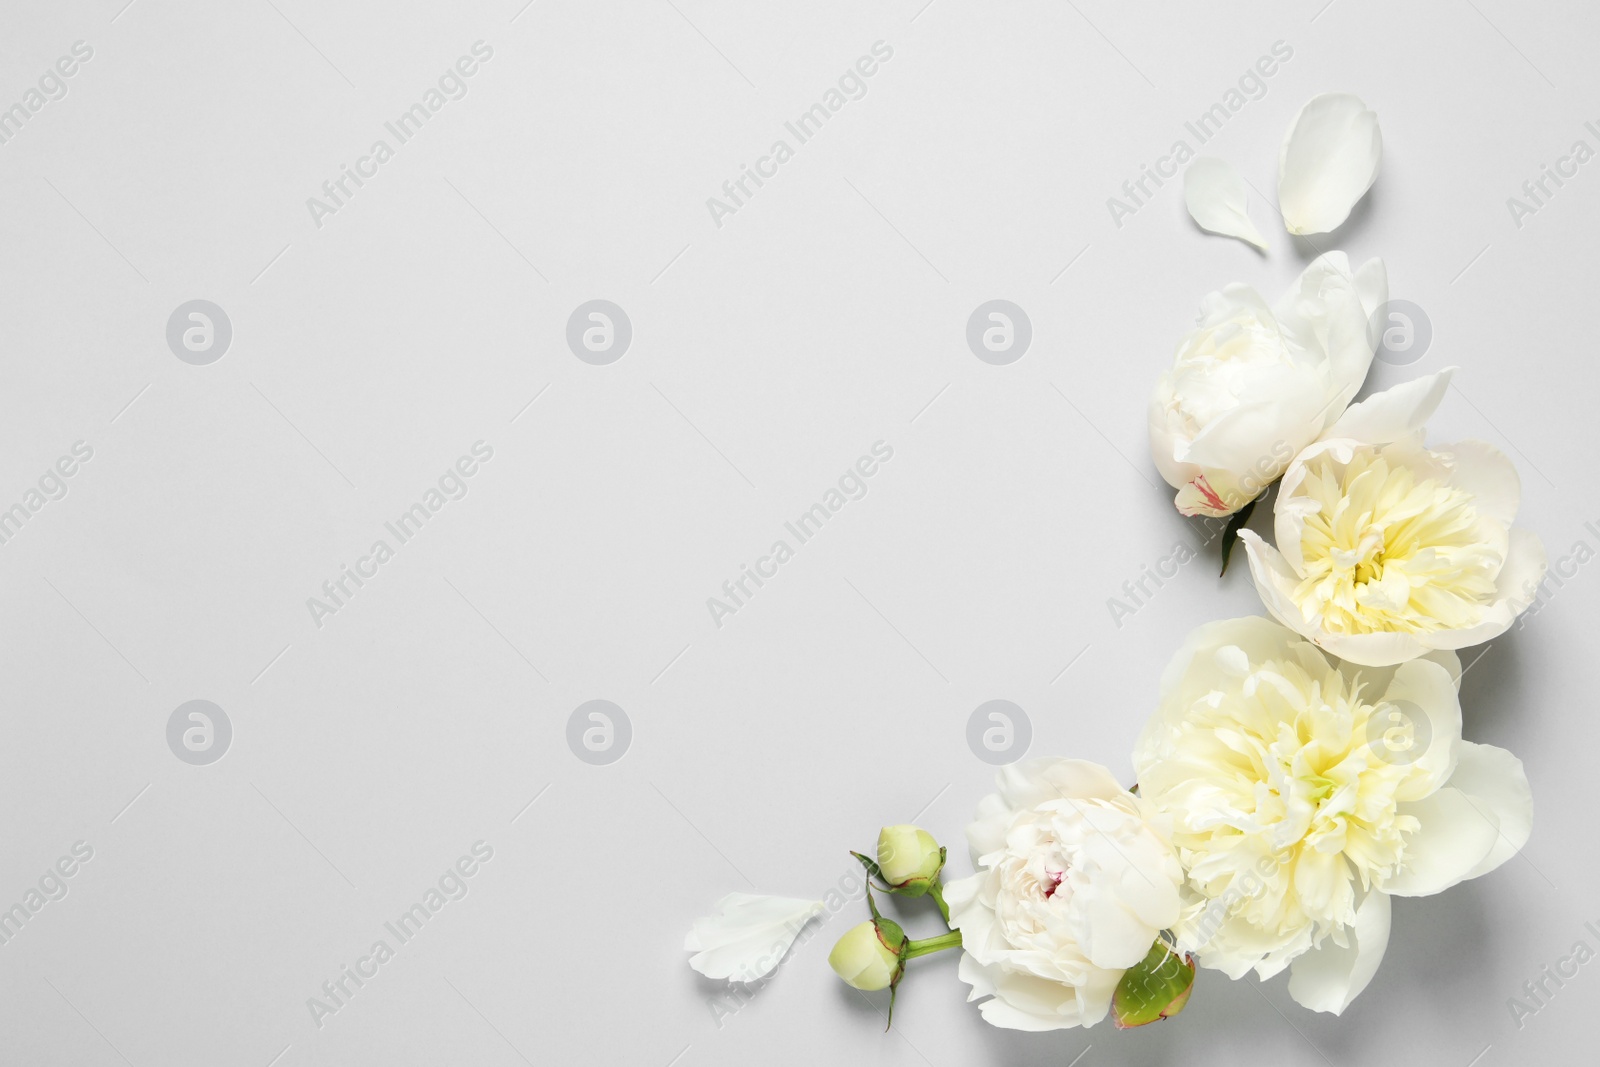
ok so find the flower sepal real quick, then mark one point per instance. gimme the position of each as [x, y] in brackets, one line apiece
[1157, 988]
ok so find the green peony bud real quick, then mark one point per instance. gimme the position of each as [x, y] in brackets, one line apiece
[1158, 988]
[870, 956]
[909, 859]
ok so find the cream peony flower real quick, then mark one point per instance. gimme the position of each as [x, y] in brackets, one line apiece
[1073, 887]
[1387, 549]
[1304, 792]
[1252, 385]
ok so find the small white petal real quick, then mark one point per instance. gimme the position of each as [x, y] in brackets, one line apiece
[1214, 194]
[748, 936]
[1329, 978]
[1328, 162]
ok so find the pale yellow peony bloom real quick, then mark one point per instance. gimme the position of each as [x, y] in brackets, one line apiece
[1387, 549]
[1304, 792]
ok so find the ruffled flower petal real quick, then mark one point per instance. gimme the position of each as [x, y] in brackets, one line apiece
[1329, 977]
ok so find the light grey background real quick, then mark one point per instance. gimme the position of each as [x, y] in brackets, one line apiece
[768, 353]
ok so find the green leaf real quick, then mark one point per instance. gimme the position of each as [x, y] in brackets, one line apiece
[873, 870]
[1158, 988]
[1236, 523]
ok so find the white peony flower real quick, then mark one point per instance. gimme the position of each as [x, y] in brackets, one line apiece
[1251, 385]
[748, 936]
[1304, 792]
[1328, 162]
[1073, 887]
[1387, 549]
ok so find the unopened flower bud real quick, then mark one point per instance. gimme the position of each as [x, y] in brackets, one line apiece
[1158, 988]
[869, 956]
[909, 859]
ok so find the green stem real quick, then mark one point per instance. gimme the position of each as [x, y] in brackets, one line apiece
[929, 945]
[937, 893]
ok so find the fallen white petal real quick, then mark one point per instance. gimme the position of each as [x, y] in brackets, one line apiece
[1328, 162]
[1215, 196]
[748, 936]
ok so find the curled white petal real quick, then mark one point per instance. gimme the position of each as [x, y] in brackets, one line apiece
[1329, 978]
[1214, 194]
[1478, 822]
[748, 936]
[1328, 162]
[1396, 412]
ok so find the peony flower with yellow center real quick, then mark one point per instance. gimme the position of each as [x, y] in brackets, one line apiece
[1305, 792]
[1387, 549]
